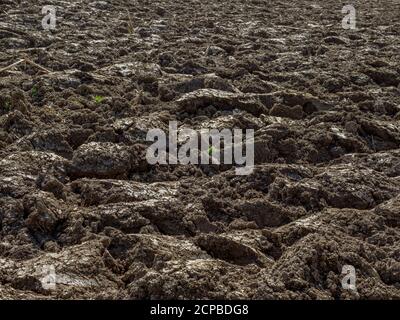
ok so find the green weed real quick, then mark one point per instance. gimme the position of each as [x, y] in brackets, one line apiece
[98, 99]
[34, 92]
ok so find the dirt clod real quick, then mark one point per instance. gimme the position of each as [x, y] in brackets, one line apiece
[78, 198]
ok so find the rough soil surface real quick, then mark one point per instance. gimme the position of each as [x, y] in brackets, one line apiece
[77, 193]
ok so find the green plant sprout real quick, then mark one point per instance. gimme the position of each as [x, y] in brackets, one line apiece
[7, 105]
[130, 23]
[34, 91]
[98, 99]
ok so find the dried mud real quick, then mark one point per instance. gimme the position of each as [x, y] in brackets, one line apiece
[77, 193]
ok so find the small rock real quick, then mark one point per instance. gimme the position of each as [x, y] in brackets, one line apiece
[335, 40]
[102, 5]
[214, 50]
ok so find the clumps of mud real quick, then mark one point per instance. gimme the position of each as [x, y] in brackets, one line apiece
[78, 197]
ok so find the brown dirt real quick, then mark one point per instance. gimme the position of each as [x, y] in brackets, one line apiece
[77, 193]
